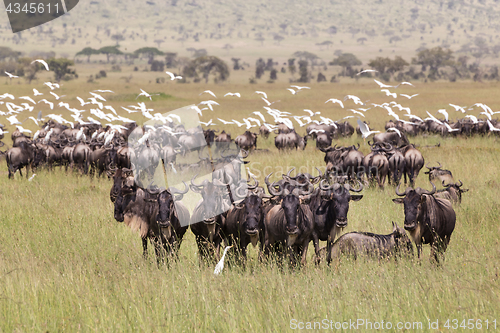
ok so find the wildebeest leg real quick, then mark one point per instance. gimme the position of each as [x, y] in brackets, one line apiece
[145, 248]
[304, 252]
[315, 240]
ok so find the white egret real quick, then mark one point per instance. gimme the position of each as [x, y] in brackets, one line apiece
[367, 71]
[261, 93]
[11, 76]
[365, 130]
[220, 264]
[42, 62]
[408, 96]
[173, 76]
[300, 88]
[334, 100]
[383, 85]
[237, 94]
[388, 93]
[209, 92]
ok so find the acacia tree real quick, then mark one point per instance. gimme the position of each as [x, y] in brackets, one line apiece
[61, 68]
[347, 61]
[206, 67]
[109, 50]
[88, 51]
[434, 59]
[150, 52]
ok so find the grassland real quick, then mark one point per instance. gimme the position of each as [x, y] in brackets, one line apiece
[67, 265]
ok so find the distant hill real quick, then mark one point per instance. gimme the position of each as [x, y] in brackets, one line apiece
[237, 28]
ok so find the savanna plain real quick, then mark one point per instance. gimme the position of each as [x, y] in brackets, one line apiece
[67, 265]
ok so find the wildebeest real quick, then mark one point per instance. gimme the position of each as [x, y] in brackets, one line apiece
[376, 165]
[444, 176]
[244, 223]
[344, 161]
[81, 157]
[247, 140]
[288, 140]
[264, 131]
[396, 165]
[223, 141]
[414, 162]
[393, 138]
[330, 205]
[20, 157]
[356, 244]
[323, 140]
[429, 220]
[207, 219]
[102, 159]
[290, 223]
[451, 192]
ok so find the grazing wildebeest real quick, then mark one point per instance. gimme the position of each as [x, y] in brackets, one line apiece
[206, 220]
[429, 220]
[289, 224]
[330, 205]
[20, 157]
[393, 138]
[247, 140]
[451, 192]
[264, 131]
[444, 176]
[81, 157]
[356, 244]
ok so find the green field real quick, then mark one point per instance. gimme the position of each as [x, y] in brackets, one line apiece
[67, 265]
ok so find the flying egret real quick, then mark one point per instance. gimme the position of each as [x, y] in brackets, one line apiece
[225, 122]
[209, 123]
[473, 118]
[56, 95]
[365, 130]
[36, 92]
[11, 76]
[383, 85]
[334, 100]
[434, 118]
[173, 76]
[300, 88]
[388, 93]
[13, 120]
[412, 116]
[209, 92]
[104, 91]
[42, 62]
[408, 96]
[261, 93]
[237, 94]
[97, 96]
[394, 129]
[297, 119]
[238, 123]
[220, 264]
[311, 114]
[143, 93]
[357, 112]
[355, 99]
[22, 129]
[260, 115]
[457, 107]
[444, 113]
[404, 83]
[486, 114]
[367, 71]
[292, 91]
[451, 129]
[209, 103]
[27, 98]
[47, 102]
[51, 85]
[492, 128]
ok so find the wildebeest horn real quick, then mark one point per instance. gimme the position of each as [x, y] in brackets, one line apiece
[241, 191]
[349, 188]
[173, 190]
[423, 191]
[427, 166]
[193, 183]
[218, 182]
[273, 191]
[252, 187]
[289, 172]
[440, 166]
[408, 189]
[456, 184]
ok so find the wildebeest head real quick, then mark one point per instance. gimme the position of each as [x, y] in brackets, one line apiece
[445, 176]
[212, 194]
[118, 212]
[456, 189]
[336, 197]
[401, 240]
[412, 201]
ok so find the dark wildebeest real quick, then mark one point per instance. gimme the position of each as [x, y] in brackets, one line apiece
[209, 135]
[244, 223]
[20, 157]
[344, 161]
[393, 138]
[247, 140]
[444, 176]
[124, 157]
[223, 141]
[357, 244]
[264, 131]
[81, 157]
[396, 165]
[376, 165]
[102, 159]
[429, 220]
[207, 220]
[345, 129]
[288, 140]
[323, 140]
[289, 224]
[414, 161]
[452, 192]
[330, 205]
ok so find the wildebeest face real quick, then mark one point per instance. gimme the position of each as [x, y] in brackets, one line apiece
[340, 204]
[166, 203]
[412, 203]
[290, 205]
[252, 214]
[118, 212]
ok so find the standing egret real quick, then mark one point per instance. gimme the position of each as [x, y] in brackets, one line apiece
[220, 264]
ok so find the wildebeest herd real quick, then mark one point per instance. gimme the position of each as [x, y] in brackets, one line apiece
[283, 221]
